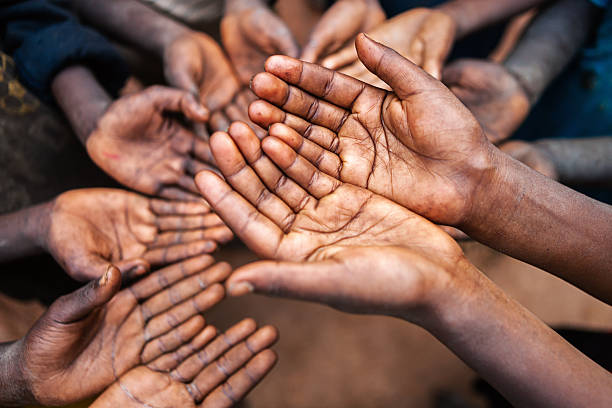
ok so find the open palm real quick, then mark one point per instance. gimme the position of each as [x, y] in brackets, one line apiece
[418, 146]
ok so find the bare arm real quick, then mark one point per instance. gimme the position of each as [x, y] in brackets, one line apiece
[21, 232]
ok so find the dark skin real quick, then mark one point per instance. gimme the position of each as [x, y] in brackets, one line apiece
[85, 230]
[250, 33]
[88, 339]
[420, 147]
[384, 259]
[340, 24]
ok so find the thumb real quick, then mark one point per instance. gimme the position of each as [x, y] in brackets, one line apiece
[77, 305]
[176, 100]
[285, 43]
[133, 268]
[399, 73]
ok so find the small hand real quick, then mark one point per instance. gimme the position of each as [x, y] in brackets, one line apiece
[363, 253]
[494, 95]
[339, 24]
[88, 339]
[195, 63]
[237, 110]
[418, 146]
[530, 155]
[141, 146]
[88, 229]
[424, 36]
[208, 372]
[250, 33]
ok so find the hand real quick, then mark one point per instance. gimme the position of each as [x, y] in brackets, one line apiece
[532, 156]
[195, 63]
[424, 36]
[86, 230]
[364, 253]
[237, 110]
[418, 146]
[138, 144]
[341, 23]
[250, 32]
[202, 374]
[88, 339]
[493, 94]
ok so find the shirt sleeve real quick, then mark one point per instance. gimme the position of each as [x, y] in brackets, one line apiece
[43, 37]
[601, 3]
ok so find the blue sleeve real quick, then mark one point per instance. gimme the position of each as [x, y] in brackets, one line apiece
[43, 37]
[601, 3]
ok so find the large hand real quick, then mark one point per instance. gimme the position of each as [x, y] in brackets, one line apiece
[494, 95]
[418, 146]
[86, 230]
[424, 36]
[201, 374]
[251, 32]
[141, 146]
[89, 338]
[341, 23]
[296, 213]
[195, 63]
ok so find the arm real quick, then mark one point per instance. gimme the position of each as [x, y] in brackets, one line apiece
[21, 232]
[549, 44]
[14, 389]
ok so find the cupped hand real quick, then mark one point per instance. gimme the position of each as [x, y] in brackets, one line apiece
[195, 63]
[287, 210]
[141, 145]
[90, 338]
[418, 146]
[207, 372]
[251, 32]
[494, 95]
[86, 230]
[424, 36]
[339, 24]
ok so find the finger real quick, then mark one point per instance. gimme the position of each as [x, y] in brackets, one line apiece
[76, 305]
[322, 159]
[298, 102]
[175, 253]
[191, 367]
[163, 207]
[169, 361]
[241, 383]
[437, 45]
[244, 179]
[133, 268]
[182, 77]
[219, 122]
[201, 150]
[199, 129]
[166, 321]
[187, 183]
[342, 58]
[182, 237]
[315, 46]
[184, 289]
[331, 86]
[299, 169]
[223, 367]
[284, 188]
[234, 113]
[176, 100]
[165, 277]
[186, 222]
[405, 78]
[258, 232]
[173, 193]
[172, 340]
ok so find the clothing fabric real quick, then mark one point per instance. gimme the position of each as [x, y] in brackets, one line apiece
[43, 37]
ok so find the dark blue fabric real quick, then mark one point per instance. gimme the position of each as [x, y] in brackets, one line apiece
[43, 37]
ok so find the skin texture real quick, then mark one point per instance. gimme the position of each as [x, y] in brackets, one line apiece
[424, 36]
[339, 24]
[418, 274]
[420, 147]
[251, 32]
[493, 95]
[88, 339]
[218, 372]
[532, 156]
[86, 230]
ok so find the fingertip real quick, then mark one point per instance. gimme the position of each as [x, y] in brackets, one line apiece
[110, 278]
[284, 67]
[238, 289]
[262, 113]
[208, 181]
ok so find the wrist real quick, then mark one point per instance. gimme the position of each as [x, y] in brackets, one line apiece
[237, 6]
[38, 224]
[15, 389]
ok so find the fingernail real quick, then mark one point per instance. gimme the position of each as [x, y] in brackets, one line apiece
[240, 289]
[106, 276]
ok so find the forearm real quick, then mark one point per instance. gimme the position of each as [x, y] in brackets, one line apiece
[22, 232]
[14, 389]
[550, 43]
[239, 5]
[525, 360]
[580, 161]
[81, 98]
[533, 218]
[472, 15]
[132, 22]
